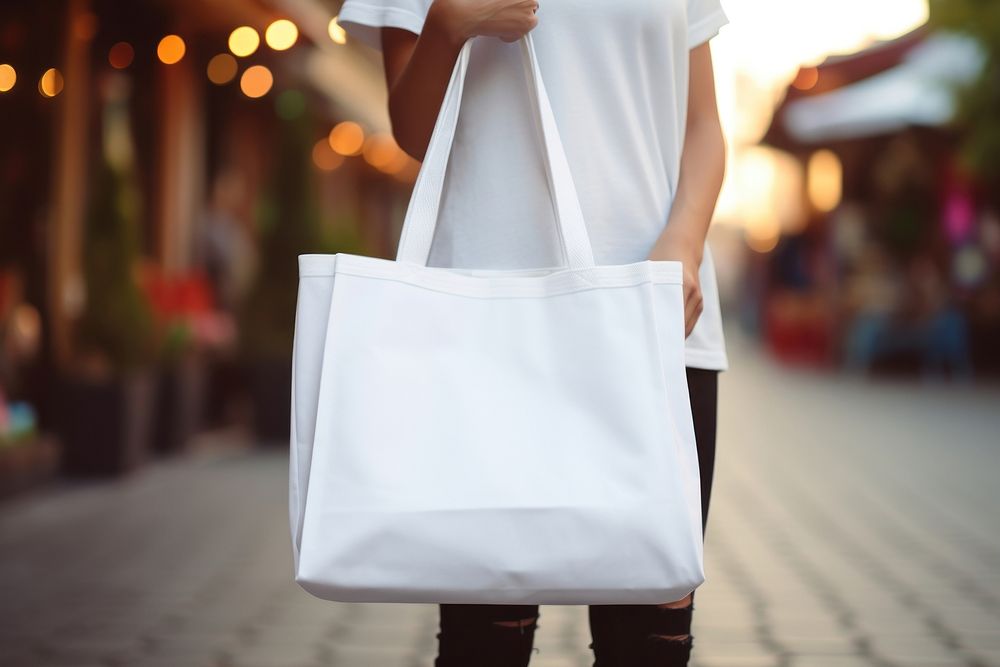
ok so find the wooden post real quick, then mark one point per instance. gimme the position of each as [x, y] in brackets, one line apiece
[66, 285]
[182, 165]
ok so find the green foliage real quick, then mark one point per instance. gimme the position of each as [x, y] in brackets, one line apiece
[289, 224]
[978, 115]
[116, 323]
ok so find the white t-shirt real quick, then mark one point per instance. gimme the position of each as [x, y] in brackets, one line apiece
[617, 76]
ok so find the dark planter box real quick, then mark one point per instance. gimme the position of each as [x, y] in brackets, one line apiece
[180, 398]
[104, 425]
[270, 394]
[26, 464]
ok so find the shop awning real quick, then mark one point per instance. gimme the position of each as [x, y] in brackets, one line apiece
[918, 91]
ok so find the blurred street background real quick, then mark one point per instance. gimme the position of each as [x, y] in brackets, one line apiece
[162, 164]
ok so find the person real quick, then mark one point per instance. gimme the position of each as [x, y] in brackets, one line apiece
[632, 89]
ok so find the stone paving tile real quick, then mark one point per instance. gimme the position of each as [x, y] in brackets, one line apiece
[852, 524]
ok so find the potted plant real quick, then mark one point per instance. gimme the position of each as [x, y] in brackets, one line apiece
[190, 329]
[104, 405]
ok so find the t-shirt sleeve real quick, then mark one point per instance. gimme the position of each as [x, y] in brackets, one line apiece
[704, 18]
[364, 19]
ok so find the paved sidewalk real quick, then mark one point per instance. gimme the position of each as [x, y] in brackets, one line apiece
[852, 524]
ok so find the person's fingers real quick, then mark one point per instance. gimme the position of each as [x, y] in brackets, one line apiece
[691, 298]
[693, 305]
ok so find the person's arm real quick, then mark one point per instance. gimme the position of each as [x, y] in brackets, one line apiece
[417, 68]
[703, 164]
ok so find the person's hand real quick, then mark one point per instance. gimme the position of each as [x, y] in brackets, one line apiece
[507, 19]
[675, 247]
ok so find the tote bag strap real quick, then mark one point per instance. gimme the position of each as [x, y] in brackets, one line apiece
[425, 201]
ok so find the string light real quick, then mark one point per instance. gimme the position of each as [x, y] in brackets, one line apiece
[121, 55]
[51, 83]
[243, 41]
[347, 138]
[222, 69]
[171, 49]
[324, 157]
[281, 35]
[256, 81]
[8, 77]
[337, 33]
[399, 162]
[380, 150]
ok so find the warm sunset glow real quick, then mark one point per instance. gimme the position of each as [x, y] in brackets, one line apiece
[244, 41]
[8, 77]
[767, 44]
[347, 138]
[171, 49]
[256, 81]
[337, 34]
[281, 35]
[221, 69]
[51, 83]
[121, 55]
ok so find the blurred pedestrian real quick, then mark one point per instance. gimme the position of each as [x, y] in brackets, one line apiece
[632, 89]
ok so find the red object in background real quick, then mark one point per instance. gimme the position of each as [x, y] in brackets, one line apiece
[178, 297]
[188, 300]
[798, 329]
[8, 282]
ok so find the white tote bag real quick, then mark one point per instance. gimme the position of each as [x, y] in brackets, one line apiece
[490, 436]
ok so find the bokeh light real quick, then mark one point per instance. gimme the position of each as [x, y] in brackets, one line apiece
[256, 81]
[324, 157]
[337, 33]
[222, 69]
[825, 179]
[347, 138]
[281, 35]
[807, 78]
[171, 49]
[407, 173]
[244, 41]
[380, 150]
[399, 162]
[51, 83]
[8, 77]
[763, 233]
[121, 55]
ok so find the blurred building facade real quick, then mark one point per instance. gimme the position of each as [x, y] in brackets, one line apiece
[162, 165]
[889, 260]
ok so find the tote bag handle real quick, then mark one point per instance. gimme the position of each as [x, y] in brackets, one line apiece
[425, 201]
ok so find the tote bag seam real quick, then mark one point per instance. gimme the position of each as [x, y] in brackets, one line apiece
[529, 295]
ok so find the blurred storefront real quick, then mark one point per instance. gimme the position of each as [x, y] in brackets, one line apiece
[889, 249]
[163, 162]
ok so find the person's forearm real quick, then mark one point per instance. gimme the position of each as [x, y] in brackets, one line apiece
[701, 173]
[416, 95]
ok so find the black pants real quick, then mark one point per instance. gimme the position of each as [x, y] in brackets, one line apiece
[623, 635]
